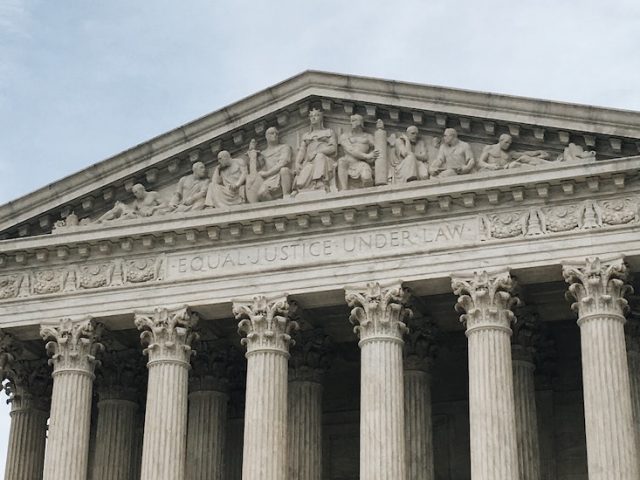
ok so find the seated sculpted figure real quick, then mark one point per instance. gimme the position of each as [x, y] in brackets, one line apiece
[454, 157]
[359, 153]
[409, 157]
[228, 183]
[500, 156]
[270, 173]
[145, 204]
[315, 158]
[192, 190]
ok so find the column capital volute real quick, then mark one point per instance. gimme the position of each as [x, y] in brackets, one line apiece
[265, 322]
[526, 334]
[485, 300]
[213, 367]
[73, 345]
[378, 310]
[597, 287]
[310, 355]
[167, 333]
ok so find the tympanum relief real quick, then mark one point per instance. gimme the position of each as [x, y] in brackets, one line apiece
[326, 160]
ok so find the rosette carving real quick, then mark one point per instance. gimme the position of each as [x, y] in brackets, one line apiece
[485, 300]
[598, 287]
[265, 322]
[167, 333]
[378, 311]
[73, 345]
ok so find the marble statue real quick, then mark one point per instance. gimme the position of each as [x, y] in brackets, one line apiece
[228, 182]
[500, 156]
[575, 153]
[270, 174]
[454, 157]
[316, 155]
[145, 204]
[409, 157]
[192, 190]
[359, 155]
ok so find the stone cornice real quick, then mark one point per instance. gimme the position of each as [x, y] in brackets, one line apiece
[285, 98]
[430, 198]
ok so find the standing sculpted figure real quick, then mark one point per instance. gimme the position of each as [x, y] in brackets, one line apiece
[145, 204]
[409, 158]
[270, 173]
[500, 156]
[315, 158]
[228, 183]
[454, 157]
[192, 190]
[359, 154]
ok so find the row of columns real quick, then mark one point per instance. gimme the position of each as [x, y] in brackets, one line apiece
[282, 428]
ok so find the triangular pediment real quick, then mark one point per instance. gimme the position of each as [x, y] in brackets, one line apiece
[479, 119]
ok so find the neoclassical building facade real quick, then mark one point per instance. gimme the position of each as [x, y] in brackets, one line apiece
[336, 278]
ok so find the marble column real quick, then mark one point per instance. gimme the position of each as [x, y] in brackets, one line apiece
[526, 333]
[309, 361]
[632, 330]
[138, 440]
[598, 288]
[486, 300]
[419, 352]
[73, 347]
[29, 390]
[118, 385]
[267, 328]
[167, 334]
[377, 313]
[207, 424]
[235, 424]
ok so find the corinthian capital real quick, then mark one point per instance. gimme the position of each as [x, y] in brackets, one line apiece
[265, 322]
[420, 344]
[213, 367]
[310, 355]
[73, 345]
[378, 311]
[121, 375]
[167, 333]
[29, 384]
[598, 287]
[10, 349]
[485, 300]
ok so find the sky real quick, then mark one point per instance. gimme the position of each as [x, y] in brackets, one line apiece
[82, 81]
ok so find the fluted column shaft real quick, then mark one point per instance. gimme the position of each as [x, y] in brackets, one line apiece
[167, 333]
[207, 435]
[526, 416]
[419, 425]
[633, 358]
[378, 312]
[235, 442]
[486, 299]
[114, 438]
[27, 436]
[267, 326]
[73, 347]
[305, 430]
[599, 290]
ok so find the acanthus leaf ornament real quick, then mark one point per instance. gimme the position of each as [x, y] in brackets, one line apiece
[167, 333]
[73, 345]
[485, 300]
[597, 286]
[265, 323]
[378, 311]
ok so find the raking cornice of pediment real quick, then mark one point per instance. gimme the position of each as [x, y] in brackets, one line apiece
[478, 117]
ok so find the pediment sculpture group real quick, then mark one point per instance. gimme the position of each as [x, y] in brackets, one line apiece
[326, 161]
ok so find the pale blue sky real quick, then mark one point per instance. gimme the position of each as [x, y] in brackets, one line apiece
[81, 81]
